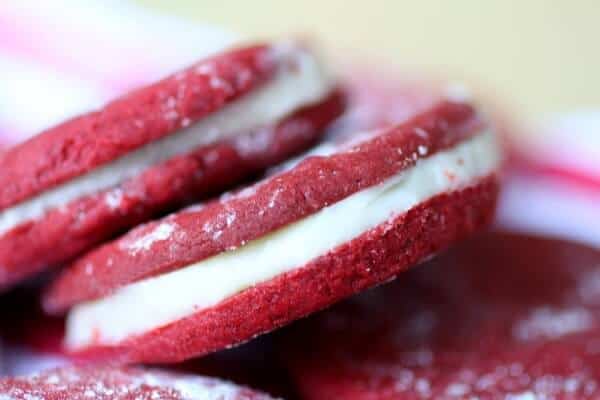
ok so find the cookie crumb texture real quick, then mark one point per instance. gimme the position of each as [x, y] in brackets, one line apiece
[121, 384]
[502, 316]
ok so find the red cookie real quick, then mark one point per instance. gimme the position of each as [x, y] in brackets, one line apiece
[187, 136]
[503, 316]
[121, 384]
[333, 224]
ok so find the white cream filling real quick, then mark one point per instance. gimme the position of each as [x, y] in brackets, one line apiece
[300, 81]
[155, 302]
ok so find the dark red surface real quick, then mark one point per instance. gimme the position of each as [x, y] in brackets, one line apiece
[255, 364]
[68, 231]
[370, 259]
[144, 115]
[23, 324]
[121, 384]
[270, 204]
[498, 316]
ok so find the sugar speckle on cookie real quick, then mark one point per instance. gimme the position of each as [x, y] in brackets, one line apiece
[145, 239]
[105, 383]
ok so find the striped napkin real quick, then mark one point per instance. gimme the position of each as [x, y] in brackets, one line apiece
[553, 180]
[62, 57]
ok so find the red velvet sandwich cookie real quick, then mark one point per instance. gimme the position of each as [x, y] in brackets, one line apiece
[204, 128]
[333, 224]
[503, 316]
[121, 384]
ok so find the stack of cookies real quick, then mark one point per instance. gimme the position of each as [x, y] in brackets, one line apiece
[256, 188]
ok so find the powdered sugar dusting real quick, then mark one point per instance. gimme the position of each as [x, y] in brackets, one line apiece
[230, 218]
[515, 381]
[457, 389]
[114, 384]
[274, 197]
[256, 142]
[546, 322]
[142, 242]
[215, 228]
[114, 198]
[210, 70]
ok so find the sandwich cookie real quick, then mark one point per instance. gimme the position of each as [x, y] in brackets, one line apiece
[503, 316]
[102, 383]
[349, 216]
[202, 129]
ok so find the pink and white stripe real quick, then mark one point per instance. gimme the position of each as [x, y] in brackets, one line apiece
[63, 57]
[553, 185]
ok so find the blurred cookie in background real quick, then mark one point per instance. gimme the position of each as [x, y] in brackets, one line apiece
[503, 315]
